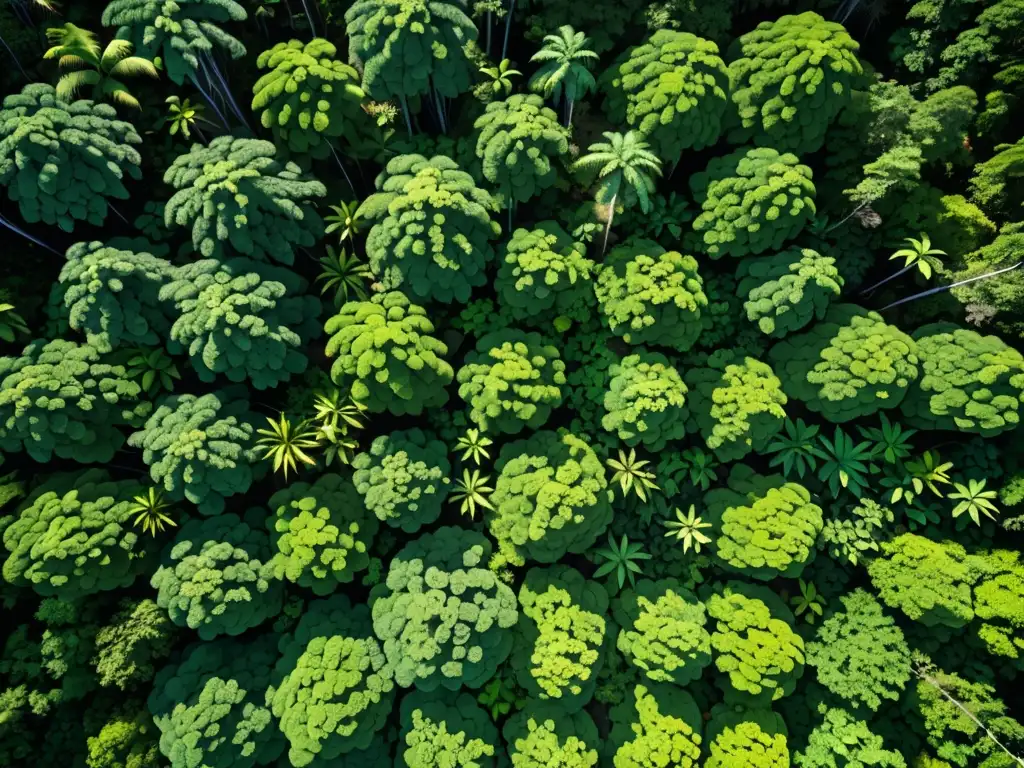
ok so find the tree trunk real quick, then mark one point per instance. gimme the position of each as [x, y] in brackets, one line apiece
[957, 284]
[508, 26]
[16, 62]
[489, 34]
[568, 123]
[883, 281]
[19, 231]
[608, 226]
[405, 112]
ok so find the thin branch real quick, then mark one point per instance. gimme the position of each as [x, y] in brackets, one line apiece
[957, 284]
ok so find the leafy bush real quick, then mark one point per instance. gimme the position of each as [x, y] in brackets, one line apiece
[513, 380]
[645, 400]
[403, 478]
[216, 578]
[752, 201]
[841, 739]
[322, 533]
[437, 730]
[388, 358]
[751, 737]
[444, 619]
[127, 649]
[788, 290]
[649, 295]
[542, 735]
[551, 497]
[558, 648]
[662, 631]
[655, 725]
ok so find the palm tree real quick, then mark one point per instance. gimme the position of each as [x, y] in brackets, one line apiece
[566, 68]
[77, 47]
[625, 166]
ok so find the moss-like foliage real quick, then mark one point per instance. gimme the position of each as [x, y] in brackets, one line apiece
[336, 688]
[928, 581]
[403, 478]
[551, 497]
[62, 162]
[649, 295]
[850, 365]
[442, 617]
[62, 399]
[752, 201]
[791, 77]
[73, 537]
[968, 383]
[238, 199]
[543, 735]
[655, 725]
[853, 534]
[999, 603]
[645, 401]
[112, 293]
[512, 381]
[441, 730]
[249, 322]
[321, 533]
[518, 142]
[209, 706]
[839, 739]
[859, 653]
[409, 48]
[674, 89]
[736, 402]
[786, 291]
[129, 648]
[432, 229]
[388, 357]
[308, 98]
[558, 650]
[752, 738]
[545, 275]
[663, 631]
[216, 577]
[200, 448]
[764, 527]
[756, 650]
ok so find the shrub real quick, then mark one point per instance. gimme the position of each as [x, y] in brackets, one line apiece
[543, 735]
[754, 738]
[789, 290]
[656, 725]
[438, 729]
[645, 401]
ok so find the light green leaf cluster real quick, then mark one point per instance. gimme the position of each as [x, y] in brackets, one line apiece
[543, 735]
[216, 577]
[127, 649]
[755, 648]
[999, 603]
[790, 78]
[518, 141]
[737, 403]
[663, 631]
[512, 381]
[209, 706]
[968, 383]
[247, 321]
[994, 185]
[442, 617]
[124, 742]
[336, 689]
[551, 497]
[850, 365]
[656, 725]
[73, 537]
[60, 399]
[200, 448]
[308, 97]
[850, 535]
[410, 48]
[645, 401]
[388, 358]
[62, 163]
[238, 199]
[180, 33]
[545, 275]
[558, 648]
[674, 89]
[438, 730]
[859, 653]
[752, 738]
[764, 527]
[651, 296]
[403, 478]
[929, 581]
[842, 740]
[784, 292]
[432, 228]
[752, 200]
[322, 533]
[112, 293]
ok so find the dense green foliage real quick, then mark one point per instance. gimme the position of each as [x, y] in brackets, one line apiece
[511, 384]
